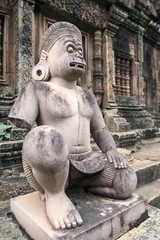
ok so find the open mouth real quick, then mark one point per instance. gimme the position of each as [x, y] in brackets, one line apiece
[77, 65]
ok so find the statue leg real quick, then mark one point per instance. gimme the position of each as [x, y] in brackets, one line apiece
[110, 182]
[46, 152]
[122, 186]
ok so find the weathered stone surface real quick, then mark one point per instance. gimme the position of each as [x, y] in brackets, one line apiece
[87, 11]
[8, 229]
[103, 218]
[54, 157]
[125, 139]
[146, 171]
[130, 138]
[10, 154]
[115, 122]
[152, 196]
[148, 230]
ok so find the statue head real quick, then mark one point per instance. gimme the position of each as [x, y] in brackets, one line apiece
[61, 53]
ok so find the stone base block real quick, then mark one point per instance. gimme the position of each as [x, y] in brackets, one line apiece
[104, 219]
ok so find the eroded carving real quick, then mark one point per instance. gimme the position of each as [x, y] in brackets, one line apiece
[87, 11]
[23, 43]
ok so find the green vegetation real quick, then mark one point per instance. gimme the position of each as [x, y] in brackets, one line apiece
[4, 132]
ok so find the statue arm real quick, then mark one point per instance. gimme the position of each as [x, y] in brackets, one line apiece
[25, 109]
[99, 132]
[104, 139]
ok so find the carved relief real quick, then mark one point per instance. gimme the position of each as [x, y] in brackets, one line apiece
[138, 119]
[125, 42]
[149, 7]
[151, 77]
[109, 69]
[26, 42]
[23, 43]
[128, 3]
[16, 41]
[87, 11]
[140, 72]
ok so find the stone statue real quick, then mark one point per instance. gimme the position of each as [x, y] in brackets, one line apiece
[57, 153]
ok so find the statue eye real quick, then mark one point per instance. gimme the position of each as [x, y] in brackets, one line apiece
[70, 49]
[80, 51]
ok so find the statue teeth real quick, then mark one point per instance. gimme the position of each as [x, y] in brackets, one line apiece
[77, 65]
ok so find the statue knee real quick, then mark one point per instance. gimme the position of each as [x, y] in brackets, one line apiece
[44, 147]
[125, 183]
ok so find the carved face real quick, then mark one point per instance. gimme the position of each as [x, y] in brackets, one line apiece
[66, 59]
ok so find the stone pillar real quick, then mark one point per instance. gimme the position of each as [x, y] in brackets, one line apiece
[141, 100]
[113, 121]
[97, 67]
[24, 50]
[109, 72]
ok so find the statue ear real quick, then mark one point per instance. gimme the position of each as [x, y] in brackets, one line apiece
[40, 71]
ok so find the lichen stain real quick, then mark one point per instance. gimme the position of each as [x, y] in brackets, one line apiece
[121, 220]
[141, 219]
[57, 141]
[41, 141]
[41, 86]
[111, 233]
[87, 97]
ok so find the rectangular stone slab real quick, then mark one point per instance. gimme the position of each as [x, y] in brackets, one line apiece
[104, 219]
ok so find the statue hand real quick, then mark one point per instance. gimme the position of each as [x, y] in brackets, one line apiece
[116, 158]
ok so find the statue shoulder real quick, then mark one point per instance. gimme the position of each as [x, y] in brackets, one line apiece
[36, 87]
[89, 96]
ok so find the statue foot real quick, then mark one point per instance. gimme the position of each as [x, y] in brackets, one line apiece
[61, 212]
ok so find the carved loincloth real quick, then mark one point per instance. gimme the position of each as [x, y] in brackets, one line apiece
[92, 166]
[88, 163]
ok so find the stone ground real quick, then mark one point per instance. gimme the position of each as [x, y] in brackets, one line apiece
[13, 184]
[148, 230]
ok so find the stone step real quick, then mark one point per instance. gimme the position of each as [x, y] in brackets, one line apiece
[10, 145]
[18, 133]
[125, 139]
[148, 230]
[10, 154]
[6, 102]
[152, 192]
[130, 138]
[4, 111]
[146, 170]
[146, 163]
[5, 89]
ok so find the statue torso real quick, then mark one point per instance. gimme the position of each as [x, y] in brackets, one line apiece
[68, 110]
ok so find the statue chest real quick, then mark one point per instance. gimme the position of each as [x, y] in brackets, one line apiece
[59, 105]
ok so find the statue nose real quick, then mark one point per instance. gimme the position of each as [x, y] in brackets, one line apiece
[78, 55]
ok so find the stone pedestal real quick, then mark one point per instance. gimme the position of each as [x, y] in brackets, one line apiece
[103, 218]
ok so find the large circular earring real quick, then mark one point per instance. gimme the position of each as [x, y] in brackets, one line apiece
[40, 72]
